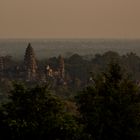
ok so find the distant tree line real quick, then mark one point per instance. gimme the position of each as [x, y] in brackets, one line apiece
[78, 68]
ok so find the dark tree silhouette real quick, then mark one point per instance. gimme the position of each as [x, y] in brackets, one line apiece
[36, 113]
[110, 108]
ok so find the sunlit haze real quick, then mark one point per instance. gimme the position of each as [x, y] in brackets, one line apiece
[69, 19]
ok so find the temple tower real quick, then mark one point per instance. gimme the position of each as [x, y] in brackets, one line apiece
[30, 63]
[61, 67]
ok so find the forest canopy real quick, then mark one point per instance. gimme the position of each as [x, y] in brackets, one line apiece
[107, 109]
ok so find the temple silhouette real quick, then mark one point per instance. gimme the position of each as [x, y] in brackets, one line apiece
[29, 70]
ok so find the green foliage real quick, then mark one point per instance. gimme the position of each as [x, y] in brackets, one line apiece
[110, 108]
[36, 113]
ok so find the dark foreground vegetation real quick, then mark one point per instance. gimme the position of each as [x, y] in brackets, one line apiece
[107, 109]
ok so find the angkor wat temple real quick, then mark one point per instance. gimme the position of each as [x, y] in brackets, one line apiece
[29, 71]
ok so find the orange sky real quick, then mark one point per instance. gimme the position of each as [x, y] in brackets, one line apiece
[69, 18]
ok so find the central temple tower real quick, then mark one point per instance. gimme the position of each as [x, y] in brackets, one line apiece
[30, 63]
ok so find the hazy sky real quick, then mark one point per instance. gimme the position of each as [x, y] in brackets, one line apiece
[69, 18]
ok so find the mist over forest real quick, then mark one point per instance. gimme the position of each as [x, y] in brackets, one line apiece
[70, 89]
[70, 70]
[46, 48]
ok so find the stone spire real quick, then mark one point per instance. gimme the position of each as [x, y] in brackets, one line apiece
[61, 66]
[30, 63]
